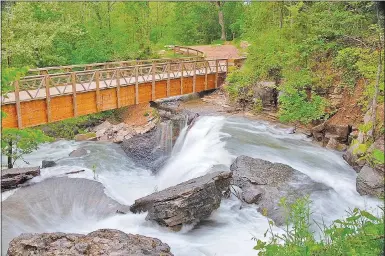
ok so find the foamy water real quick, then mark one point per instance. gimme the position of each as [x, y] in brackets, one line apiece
[212, 141]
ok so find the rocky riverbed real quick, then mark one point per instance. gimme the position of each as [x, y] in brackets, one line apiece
[175, 179]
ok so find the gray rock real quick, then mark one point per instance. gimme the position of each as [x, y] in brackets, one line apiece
[370, 182]
[142, 149]
[78, 152]
[12, 178]
[265, 183]
[99, 242]
[47, 163]
[185, 203]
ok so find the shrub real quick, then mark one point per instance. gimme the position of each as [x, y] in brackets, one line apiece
[361, 233]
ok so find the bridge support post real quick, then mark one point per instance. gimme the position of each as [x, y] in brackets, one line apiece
[194, 75]
[73, 81]
[48, 98]
[136, 85]
[216, 73]
[206, 63]
[168, 67]
[18, 107]
[97, 82]
[181, 77]
[153, 96]
[117, 74]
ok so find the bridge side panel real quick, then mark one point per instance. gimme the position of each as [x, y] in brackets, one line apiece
[187, 85]
[160, 89]
[200, 83]
[108, 99]
[127, 95]
[86, 103]
[211, 81]
[175, 87]
[61, 108]
[10, 121]
[33, 113]
[145, 91]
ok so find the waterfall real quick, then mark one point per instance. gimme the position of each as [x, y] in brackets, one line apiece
[164, 136]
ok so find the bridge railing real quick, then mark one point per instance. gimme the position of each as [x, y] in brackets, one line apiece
[104, 65]
[69, 83]
[188, 51]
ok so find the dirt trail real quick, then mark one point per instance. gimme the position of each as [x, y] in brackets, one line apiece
[218, 51]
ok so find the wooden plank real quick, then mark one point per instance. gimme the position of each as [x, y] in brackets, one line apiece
[153, 81]
[168, 79]
[136, 86]
[18, 108]
[97, 82]
[206, 63]
[194, 76]
[74, 103]
[117, 74]
[181, 78]
[216, 73]
[48, 98]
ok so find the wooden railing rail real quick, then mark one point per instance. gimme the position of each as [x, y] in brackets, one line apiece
[103, 65]
[188, 51]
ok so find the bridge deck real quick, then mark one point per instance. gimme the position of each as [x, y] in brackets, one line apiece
[53, 97]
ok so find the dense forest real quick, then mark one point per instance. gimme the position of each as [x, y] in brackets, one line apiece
[56, 33]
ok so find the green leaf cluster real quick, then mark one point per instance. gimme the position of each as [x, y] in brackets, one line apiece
[360, 233]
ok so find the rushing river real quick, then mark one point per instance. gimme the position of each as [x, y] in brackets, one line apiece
[212, 142]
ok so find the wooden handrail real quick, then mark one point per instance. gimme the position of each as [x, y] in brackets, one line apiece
[188, 50]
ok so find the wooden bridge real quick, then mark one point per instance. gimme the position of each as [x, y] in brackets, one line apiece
[56, 93]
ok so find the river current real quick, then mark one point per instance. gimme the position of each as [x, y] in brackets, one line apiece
[213, 142]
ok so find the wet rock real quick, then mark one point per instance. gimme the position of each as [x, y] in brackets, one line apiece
[185, 203]
[13, 178]
[47, 163]
[78, 152]
[326, 131]
[99, 242]
[265, 183]
[115, 133]
[335, 145]
[143, 150]
[370, 182]
[266, 91]
[85, 136]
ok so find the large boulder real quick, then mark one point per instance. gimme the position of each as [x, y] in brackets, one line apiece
[187, 202]
[99, 242]
[12, 178]
[370, 182]
[78, 152]
[115, 133]
[144, 151]
[265, 183]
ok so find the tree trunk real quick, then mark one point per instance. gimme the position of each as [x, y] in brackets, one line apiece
[10, 164]
[376, 88]
[221, 19]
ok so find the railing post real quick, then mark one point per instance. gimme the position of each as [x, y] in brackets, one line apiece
[216, 73]
[73, 81]
[168, 79]
[181, 77]
[206, 62]
[153, 67]
[18, 107]
[97, 82]
[194, 75]
[48, 98]
[136, 85]
[117, 74]
[227, 66]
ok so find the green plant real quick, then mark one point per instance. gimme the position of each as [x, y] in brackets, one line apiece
[146, 114]
[16, 143]
[361, 233]
[257, 106]
[94, 171]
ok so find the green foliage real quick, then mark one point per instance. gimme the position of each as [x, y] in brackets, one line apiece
[257, 106]
[378, 156]
[8, 75]
[68, 128]
[295, 107]
[361, 233]
[15, 143]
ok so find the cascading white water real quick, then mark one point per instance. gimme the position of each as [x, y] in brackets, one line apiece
[164, 134]
[211, 141]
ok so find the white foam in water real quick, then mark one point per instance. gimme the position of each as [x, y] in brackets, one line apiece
[210, 141]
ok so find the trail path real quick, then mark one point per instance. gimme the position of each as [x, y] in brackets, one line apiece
[218, 51]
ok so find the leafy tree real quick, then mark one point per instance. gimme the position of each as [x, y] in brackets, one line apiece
[15, 143]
